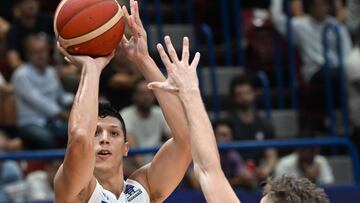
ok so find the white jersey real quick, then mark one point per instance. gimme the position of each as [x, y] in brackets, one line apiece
[133, 192]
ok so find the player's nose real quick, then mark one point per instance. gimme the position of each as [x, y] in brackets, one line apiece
[104, 138]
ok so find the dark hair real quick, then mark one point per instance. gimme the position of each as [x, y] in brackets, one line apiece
[294, 190]
[223, 122]
[105, 109]
[239, 80]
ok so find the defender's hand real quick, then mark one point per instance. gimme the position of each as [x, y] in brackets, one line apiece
[81, 61]
[182, 77]
[135, 48]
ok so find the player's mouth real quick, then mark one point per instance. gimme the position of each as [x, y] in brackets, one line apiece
[104, 154]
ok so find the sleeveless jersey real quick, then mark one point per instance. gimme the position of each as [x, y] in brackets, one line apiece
[133, 192]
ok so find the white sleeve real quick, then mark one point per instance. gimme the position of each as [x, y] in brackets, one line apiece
[345, 41]
[277, 15]
[325, 174]
[352, 66]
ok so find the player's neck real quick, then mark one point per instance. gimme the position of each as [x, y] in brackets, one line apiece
[112, 181]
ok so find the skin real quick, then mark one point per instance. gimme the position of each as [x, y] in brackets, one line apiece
[76, 179]
[183, 82]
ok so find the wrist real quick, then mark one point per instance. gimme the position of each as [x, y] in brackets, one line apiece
[144, 61]
[91, 68]
[188, 95]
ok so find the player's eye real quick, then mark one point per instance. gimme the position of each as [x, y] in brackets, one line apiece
[114, 134]
[97, 133]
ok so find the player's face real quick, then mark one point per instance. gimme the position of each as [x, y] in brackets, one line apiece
[110, 144]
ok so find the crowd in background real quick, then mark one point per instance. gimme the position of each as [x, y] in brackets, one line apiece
[37, 88]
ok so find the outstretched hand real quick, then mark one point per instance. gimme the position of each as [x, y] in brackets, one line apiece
[80, 61]
[182, 76]
[136, 47]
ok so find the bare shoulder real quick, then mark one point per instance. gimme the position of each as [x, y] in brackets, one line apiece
[141, 176]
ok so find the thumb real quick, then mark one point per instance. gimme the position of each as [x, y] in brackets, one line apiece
[156, 85]
[162, 86]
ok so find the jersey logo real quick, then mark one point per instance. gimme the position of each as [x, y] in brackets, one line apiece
[131, 192]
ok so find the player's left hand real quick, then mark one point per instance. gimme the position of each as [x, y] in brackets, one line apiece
[182, 77]
[135, 48]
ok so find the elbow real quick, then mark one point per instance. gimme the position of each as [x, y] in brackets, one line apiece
[79, 134]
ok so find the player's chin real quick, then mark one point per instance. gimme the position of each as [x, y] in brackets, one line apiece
[103, 165]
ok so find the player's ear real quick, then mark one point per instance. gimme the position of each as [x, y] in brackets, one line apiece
[126, 148]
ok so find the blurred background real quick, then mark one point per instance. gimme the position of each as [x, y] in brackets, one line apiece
[280, 80]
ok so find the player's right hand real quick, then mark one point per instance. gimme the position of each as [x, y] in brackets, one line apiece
[86, 61]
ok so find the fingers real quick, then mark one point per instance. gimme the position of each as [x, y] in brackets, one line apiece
[137, 14]
[185, 54]
[134, 20]
[162, 86]
[196, 60]
[164, 57]
[123, 41]
[68, 57]
[132, 7]
[171, 50]
[126, 13]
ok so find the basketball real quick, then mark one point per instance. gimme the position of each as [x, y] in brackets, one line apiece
[89, 27]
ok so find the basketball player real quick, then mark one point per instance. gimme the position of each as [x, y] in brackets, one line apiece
[182, 81]
[92, 170]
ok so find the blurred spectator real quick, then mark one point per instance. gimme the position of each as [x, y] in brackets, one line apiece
[248, 124]
[28, 20]
[118, 80]
[40, 183]
[307, 33]
[41, 100]
[233, 165]
[353, 15]
[144, 120]
[305, 163]
[4, 86]
[10, 171]
[352, 65]
[4, 67]
[37, 187]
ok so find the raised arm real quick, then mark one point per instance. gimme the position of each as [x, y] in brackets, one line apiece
[182, 81]
[163, 174]
[75, 176]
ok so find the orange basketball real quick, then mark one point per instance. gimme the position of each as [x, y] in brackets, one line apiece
[89, 27]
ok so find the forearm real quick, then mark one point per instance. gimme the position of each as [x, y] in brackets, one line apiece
[170, 104]
[83, 116]
[202, 139]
